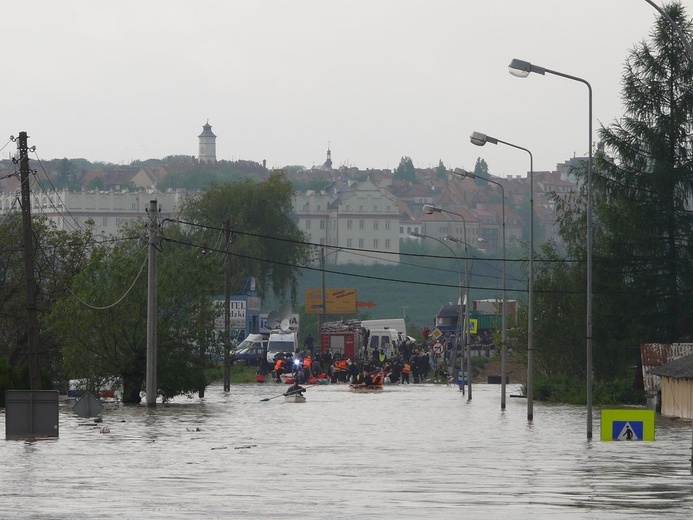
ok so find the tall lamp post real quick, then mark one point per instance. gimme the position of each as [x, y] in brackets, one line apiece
[433, 209]
[479, 139]
[522, 69]
[467, 339]
[453, 357]
[504, 329]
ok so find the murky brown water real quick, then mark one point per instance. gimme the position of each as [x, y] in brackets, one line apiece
[416, 451]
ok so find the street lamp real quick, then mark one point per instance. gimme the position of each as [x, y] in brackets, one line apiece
[467, 342]
[433, 209]
[453, 357]
[463, 173]
[522, 69]
[480, 139]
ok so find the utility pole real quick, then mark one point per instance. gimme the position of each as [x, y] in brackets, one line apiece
[324, 298]
[29, 260]
[152, 387]
[227, 307]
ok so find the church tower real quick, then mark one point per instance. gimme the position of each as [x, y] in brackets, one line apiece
[208, 144]
[327, 166]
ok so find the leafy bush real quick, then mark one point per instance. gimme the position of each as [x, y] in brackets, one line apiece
[556, 389]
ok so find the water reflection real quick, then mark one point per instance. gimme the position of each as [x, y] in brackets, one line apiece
[411, 451]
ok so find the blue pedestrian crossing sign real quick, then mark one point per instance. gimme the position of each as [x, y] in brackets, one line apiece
[628, 425]
[627, 430]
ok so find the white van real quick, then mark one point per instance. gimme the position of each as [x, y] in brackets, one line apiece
[281, 341]
[386, 340]
[251, 340]
[392, 323]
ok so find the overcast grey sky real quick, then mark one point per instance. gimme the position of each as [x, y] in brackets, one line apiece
[279, 79]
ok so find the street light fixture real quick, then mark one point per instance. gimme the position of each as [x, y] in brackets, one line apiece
[462, 173]
[453, 356]
[480, 139]
[522, 69]
[428, 208]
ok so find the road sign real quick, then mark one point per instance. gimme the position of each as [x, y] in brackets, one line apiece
[461, 378]
[337, 301]
[436, 333]
[473, 326]
[628, 425]
[438, 348]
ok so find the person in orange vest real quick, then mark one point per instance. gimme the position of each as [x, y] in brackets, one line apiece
[405, 373]
[377, 379]
[279, 368]
[307, 364]
[341, 369]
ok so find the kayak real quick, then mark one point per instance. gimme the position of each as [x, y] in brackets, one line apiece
[294, 398]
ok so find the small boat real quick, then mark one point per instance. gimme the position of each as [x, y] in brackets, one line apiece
[294, 398]
[365, 388]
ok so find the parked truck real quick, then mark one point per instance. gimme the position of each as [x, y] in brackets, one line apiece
[344, 338]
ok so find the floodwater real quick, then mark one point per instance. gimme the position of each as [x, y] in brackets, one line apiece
[411, 451]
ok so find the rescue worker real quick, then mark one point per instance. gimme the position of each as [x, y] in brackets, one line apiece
[279, 368]
[405, 373]
[377, 379]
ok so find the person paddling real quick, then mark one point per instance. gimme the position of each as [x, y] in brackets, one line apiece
[295, 389]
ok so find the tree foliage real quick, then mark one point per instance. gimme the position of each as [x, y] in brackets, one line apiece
[109, 301]
[267, 243]
[642, 188]
[59, 256]
[441, 171]
[405, 171]
[481, 168]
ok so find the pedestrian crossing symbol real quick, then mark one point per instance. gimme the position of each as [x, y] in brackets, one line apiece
[627, 430]
[628, 425]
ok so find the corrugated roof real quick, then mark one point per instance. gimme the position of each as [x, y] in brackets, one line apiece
[655, 355]
[681, 368]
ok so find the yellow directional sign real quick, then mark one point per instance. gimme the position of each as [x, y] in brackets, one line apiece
[628, 425]
[337, 301]
[473, 326]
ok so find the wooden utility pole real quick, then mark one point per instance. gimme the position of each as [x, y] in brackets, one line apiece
[152, 387]
[29, 260]
[227, 307]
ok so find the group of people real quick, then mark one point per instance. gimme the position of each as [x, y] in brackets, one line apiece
[408, 365]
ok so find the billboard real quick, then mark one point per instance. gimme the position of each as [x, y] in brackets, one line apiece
[337, 301]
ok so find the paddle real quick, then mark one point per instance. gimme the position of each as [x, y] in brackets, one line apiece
[285, 394]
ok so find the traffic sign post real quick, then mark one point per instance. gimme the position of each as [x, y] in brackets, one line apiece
[628, 425]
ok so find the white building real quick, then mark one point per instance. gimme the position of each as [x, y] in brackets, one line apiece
[358, 223]
[105, 211]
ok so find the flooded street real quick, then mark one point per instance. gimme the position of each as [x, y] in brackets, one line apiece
[412, 451]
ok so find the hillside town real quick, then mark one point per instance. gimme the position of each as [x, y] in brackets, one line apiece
[355, 209]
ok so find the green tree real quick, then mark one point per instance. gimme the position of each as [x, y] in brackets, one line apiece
[109, 301]
[441, 171]
[267, 243]
[643, 182]
[405, 171]
[647, 184]
[66, 176]
[59, 256]
[481, 168]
